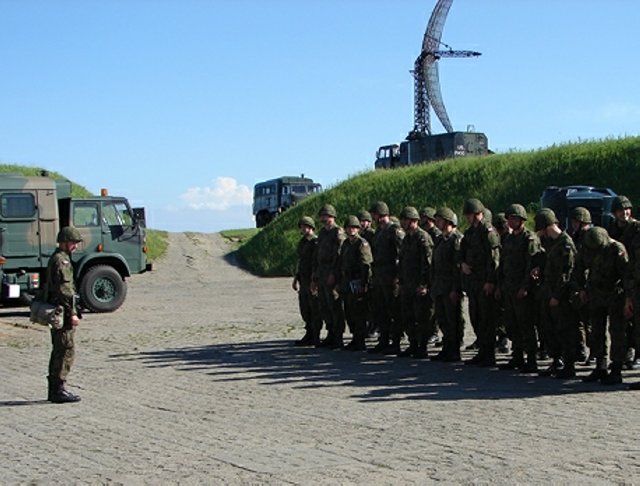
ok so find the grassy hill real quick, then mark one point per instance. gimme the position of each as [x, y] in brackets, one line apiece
[497, 180]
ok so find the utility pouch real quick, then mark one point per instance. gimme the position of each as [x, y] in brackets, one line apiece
[46, 314]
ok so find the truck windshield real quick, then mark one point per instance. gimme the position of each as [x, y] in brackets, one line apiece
[117, 213]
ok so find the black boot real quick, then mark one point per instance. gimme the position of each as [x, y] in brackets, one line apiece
[516, 361]
[306, 340]
[531, 366]
[58, 394]
[599, 373]
[615, 375]
[568, 371]
[555, 366]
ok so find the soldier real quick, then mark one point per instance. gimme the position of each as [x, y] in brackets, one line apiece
[366, 230]
[325, 273]
[632, 289]
[428, 223]
[520, 251]
[446, 289]
[499, 222]
[386, 247]
[307, 300]
[415, 282]
[601, 267]
[60, 290]
[355, 271]
[560, 330]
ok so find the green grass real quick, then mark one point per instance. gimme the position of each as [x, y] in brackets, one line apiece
[497, 180]
[157, 243]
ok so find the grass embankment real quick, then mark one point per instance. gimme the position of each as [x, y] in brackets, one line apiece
[497, 180]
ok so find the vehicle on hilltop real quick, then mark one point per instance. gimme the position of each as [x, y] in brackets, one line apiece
[562, 200]
[273, 197]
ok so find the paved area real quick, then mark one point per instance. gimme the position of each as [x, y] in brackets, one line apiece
[195, 381]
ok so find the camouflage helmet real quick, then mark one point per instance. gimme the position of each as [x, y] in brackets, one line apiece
[428, 212]
[328, 210]
[487, 214]
[499, 219]
[307, 221]
[516, 210]
[448, 215]
[620, 202]
[581, 214]
[409, 212]
[596, 238]
[472, 206]
[364, 216]
[69, 233]
[545, 217]
[380, 207]
[351, 221]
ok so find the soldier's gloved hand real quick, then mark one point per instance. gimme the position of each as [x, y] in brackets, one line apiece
[75, 320]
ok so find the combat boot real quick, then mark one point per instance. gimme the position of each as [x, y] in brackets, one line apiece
[635, 386]
[568, 371]
[409, 351]
[531, 366]
[58, 394]
[326, 342]
[306, 340]
[337, 342]
[615, 375]
[383, 342]
[599, 373]
[553, 369]
[393, 348]
[516, 361]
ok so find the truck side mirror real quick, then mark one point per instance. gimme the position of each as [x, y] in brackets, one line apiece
[138, 214]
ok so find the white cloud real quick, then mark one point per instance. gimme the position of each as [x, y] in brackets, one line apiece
[224, 193]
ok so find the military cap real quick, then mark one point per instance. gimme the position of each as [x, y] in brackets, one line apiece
[351, 221]
[596, 238]
[499, 219]
[448, 215]
[329, 210]
[69, 233]
[364, 216]
[620, 202]
[380, 207]
[409, 212]
[428, 212]
[581, 214]
[307, 221]
[516, 210]
[545, 217]
[472, 206]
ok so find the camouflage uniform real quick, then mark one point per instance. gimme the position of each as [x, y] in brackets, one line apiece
[435, 234]
[308, 300]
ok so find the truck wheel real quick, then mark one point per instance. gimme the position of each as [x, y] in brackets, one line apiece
[102, 289]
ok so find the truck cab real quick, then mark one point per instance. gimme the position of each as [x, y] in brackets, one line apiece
[273, 197]
[562, 200]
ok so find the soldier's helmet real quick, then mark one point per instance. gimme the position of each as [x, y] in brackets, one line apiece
[581, 214]
[472, 206]
[499, 219]
[69, 233]
[488, 215]
[516, 210]
[409, 212]
[307, 221]
[596, 238]
[544, 217]
[351, 221]
[380, 207]
[620, 202]
[328, 210]
[448, 215]
[428, 212]
[364, 216]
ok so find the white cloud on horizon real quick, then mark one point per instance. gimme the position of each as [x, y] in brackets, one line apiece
[224, 193]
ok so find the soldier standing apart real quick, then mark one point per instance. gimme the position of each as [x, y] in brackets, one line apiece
[60, 290]
[386, 248]
[520, 249]
[601, 268]
[446, 288]
[307, 300]
[325, 273]
[480, 257]
[560, 330]
[414, 270]
[355, 272]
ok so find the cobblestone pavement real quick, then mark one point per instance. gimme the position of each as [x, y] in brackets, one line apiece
[195, 381]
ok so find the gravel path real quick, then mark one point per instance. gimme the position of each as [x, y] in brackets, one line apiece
[195, 381]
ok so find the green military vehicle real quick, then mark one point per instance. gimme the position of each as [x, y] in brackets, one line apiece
[562, 200]
[32, 211]
[272, 197]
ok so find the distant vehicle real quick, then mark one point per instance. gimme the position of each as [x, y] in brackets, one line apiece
[32, 211]
[272, 197]
[563, 199]
[419, 148]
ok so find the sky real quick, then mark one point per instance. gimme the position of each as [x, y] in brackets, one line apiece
[182, 106]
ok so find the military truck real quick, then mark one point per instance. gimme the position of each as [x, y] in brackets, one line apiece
[419, 148]
[273, 197]
[563, 199]
[34, 208]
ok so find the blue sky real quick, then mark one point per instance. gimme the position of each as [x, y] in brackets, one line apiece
[183, 106]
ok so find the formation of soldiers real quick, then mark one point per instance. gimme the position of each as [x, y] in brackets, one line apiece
[567, 295]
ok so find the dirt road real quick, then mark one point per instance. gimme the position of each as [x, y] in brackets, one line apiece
[195, 381]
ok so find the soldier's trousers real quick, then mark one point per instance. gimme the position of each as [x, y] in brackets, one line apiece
[62, 352]
[415, 316]
[355, 310]
[481, 314]
[449, 315]
[386, 311]
[309, 309]
[519, 317]
[617, 330]
[331, 310]
[560, 330]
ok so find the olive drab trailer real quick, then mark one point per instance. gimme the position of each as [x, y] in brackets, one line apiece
[32, 211]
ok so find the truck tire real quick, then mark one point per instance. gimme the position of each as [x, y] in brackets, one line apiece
[102, 289]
